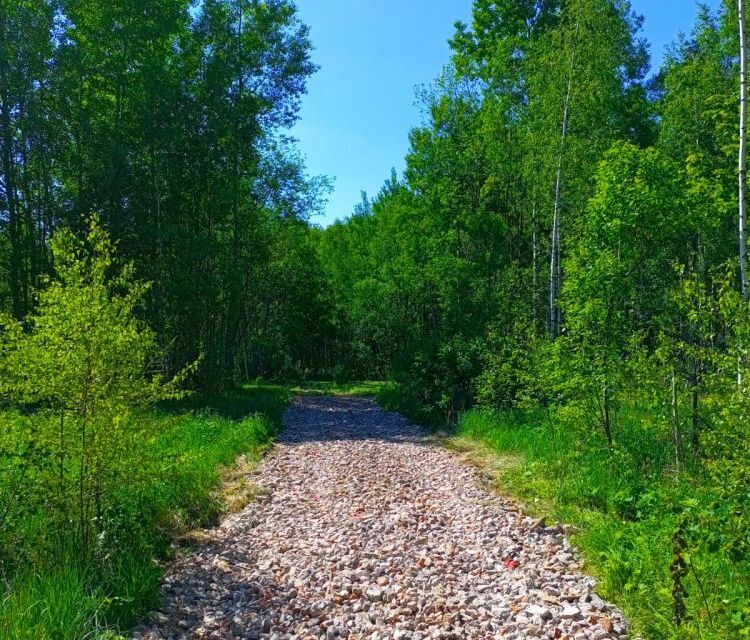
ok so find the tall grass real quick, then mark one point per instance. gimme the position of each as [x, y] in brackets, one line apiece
[59, 602]
[626, 503]
[172, 487]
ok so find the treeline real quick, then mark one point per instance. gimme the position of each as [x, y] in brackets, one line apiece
[565, 237]
[153, 240]
[167, 118]
[566, 229]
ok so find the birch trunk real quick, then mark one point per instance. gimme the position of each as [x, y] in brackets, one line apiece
[555, 271]
[743, 151]
[743, 170]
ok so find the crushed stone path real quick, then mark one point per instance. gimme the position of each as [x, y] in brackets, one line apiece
[369, 531]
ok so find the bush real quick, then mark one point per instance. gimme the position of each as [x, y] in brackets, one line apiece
[171, 489]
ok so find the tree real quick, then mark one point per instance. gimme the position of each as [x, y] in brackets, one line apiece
[620, 274]
[585, 82]
[83, 365]
[166, 120]
[743, 151]
[27, 136]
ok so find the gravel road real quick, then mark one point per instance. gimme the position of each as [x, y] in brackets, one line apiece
[368, 531]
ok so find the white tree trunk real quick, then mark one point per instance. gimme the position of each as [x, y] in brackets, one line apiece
[555, 269]
[743, 151]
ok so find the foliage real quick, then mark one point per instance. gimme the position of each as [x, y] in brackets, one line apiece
[562, 241]
[354, 388]
[560, 251]
[95, 481]
[170, 121]
[77, 370]
[626, 504]
[171, 488]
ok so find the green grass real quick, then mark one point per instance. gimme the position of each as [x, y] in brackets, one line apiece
[173, 486]
[53, 604]
[625, 503]
[328, 388]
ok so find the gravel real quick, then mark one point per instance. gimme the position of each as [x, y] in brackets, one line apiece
[368, 531]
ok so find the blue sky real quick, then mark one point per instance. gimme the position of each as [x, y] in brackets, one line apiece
[373, 54]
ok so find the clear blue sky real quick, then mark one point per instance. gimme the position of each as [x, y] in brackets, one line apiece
[373, 53]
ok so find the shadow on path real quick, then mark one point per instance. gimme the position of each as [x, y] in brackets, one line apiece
[326, 419]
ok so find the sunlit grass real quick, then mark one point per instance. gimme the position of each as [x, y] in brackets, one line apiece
[174, 486]
[53, 604]
[623, 504]
[328, 388]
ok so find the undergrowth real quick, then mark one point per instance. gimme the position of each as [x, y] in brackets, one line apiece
[626, 503]
[175, 474]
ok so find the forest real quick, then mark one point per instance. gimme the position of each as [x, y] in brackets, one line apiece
[560, 274]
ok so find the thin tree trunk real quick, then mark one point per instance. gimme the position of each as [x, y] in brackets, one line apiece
[743, 152]
[9, 171]
[160, 278]
[29, 256]
[82, 487]
[61, 469]
[676, 432]
[555, 271]
[234, 271]
[535, 268]
[696, 435]
[86, 444]
[607, 422]
[743, 170]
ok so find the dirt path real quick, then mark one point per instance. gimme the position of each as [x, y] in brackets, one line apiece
[369, 532]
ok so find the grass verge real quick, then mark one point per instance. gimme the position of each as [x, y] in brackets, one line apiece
[626, 503]
[175, 481]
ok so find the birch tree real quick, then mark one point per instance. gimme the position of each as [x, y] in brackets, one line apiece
[584, 81]
[743, 149]
[555, 275]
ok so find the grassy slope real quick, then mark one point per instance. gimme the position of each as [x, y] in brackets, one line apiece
[624, 505]
[175, 487]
